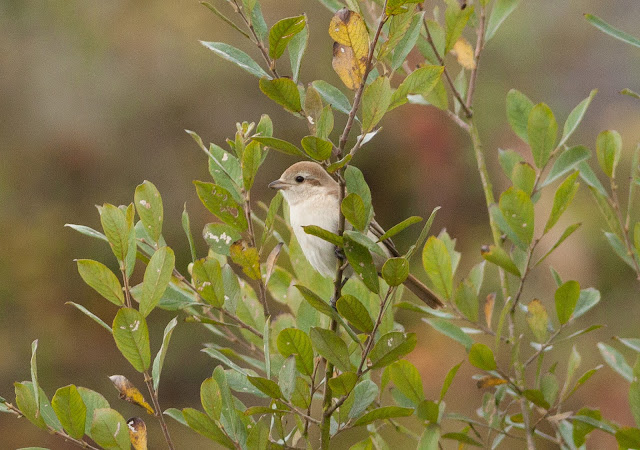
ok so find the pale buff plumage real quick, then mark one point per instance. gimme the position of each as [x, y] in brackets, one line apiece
[313, 198]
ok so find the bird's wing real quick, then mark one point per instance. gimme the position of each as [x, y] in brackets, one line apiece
[378, 231]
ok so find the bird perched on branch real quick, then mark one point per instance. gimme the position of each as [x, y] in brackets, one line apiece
[314, 199]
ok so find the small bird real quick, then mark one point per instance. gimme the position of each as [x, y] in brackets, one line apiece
[313, 198]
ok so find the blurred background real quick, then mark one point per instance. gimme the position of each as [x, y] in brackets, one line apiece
[95, 97]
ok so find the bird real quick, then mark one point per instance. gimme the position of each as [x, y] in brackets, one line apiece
[313, 197]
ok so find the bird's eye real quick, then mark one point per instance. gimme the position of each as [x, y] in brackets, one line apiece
[299, 179]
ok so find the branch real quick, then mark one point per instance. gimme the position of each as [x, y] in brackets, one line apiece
[456, 94]
[252, 237]
[478, 52]
[156, 404]
[270, 63]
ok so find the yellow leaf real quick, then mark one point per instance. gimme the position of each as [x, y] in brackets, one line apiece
[464, 52]
[247, 257]
[129, 392]
[137, 433]
[346, 66]
[348, 29]
[489, 381]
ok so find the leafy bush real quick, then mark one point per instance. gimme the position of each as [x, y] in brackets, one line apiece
[312, 370]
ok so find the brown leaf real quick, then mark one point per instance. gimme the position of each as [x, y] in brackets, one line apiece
[271, 260]
[137, 433]
[488, 308]
[129, 392]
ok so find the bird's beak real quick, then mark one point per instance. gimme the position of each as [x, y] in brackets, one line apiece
[278, 184]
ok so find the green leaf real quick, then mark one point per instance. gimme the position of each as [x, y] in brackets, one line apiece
[437, 264]
[567, 161]
[423, 234]
[628, 437]
[92, 401]
[542, 130]
[324, 124]
[354, 211]
[257, 20]
[455, 21]
[268, 387]
[316, 148]
[500, 11]
[575, 117]
[448, 380]
[524, 177]
[517, 209]
[408, 381]
[204, 425]
[297, 47]
[538, 320]
[591, 179]
[186, 226]
[101, 279]
[132, 338]
[357, 184]
[91, 315]
[566, 298]
[149, 206]
[616, 361]
[536, 397]
[329, 345]
[283, 91]
[324, 234]
[355, 312]
[343, 384]
[612, 31]
[238, 57]
[430, 438]
[282, 32]
[632, 343]
[87, 231]
[518, 110]
[116, 229]
[481, 356]
[221, 204]
[156, 279]
[608, 149]
[176, 415]
[363, 395]
[463, 438]
[395, 271]
[333, 96]
[279, 145]
[476, 276]
[259, 435]
[634, 400]
[466, 300]
[28, 405]
[207, 279]
[400, 227]
[225, 19]
[110, 430]
[450, 330]
[220, 237]
[292, 341]
[420, 81]
[508, 160]
[391, 347]
[251, 160]
[362, 262]
[408, 41]
[375, 102]
[158, 361]
[619, 248]
[386, 412]
[562, 199]
[315, 301]
[395, 7]
[499, 257]
[71, 410]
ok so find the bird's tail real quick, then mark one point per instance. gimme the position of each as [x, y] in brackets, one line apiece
[423, 292]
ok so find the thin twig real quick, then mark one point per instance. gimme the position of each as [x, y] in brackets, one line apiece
[456, 94]
[257, 41]
[479, 46]
[252, 238]
[125, 281]
[158, 410]
[616, 206]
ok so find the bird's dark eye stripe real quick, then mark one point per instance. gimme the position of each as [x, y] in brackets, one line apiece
[299, 179]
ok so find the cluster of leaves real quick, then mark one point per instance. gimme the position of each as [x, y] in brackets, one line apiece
[348, 357]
